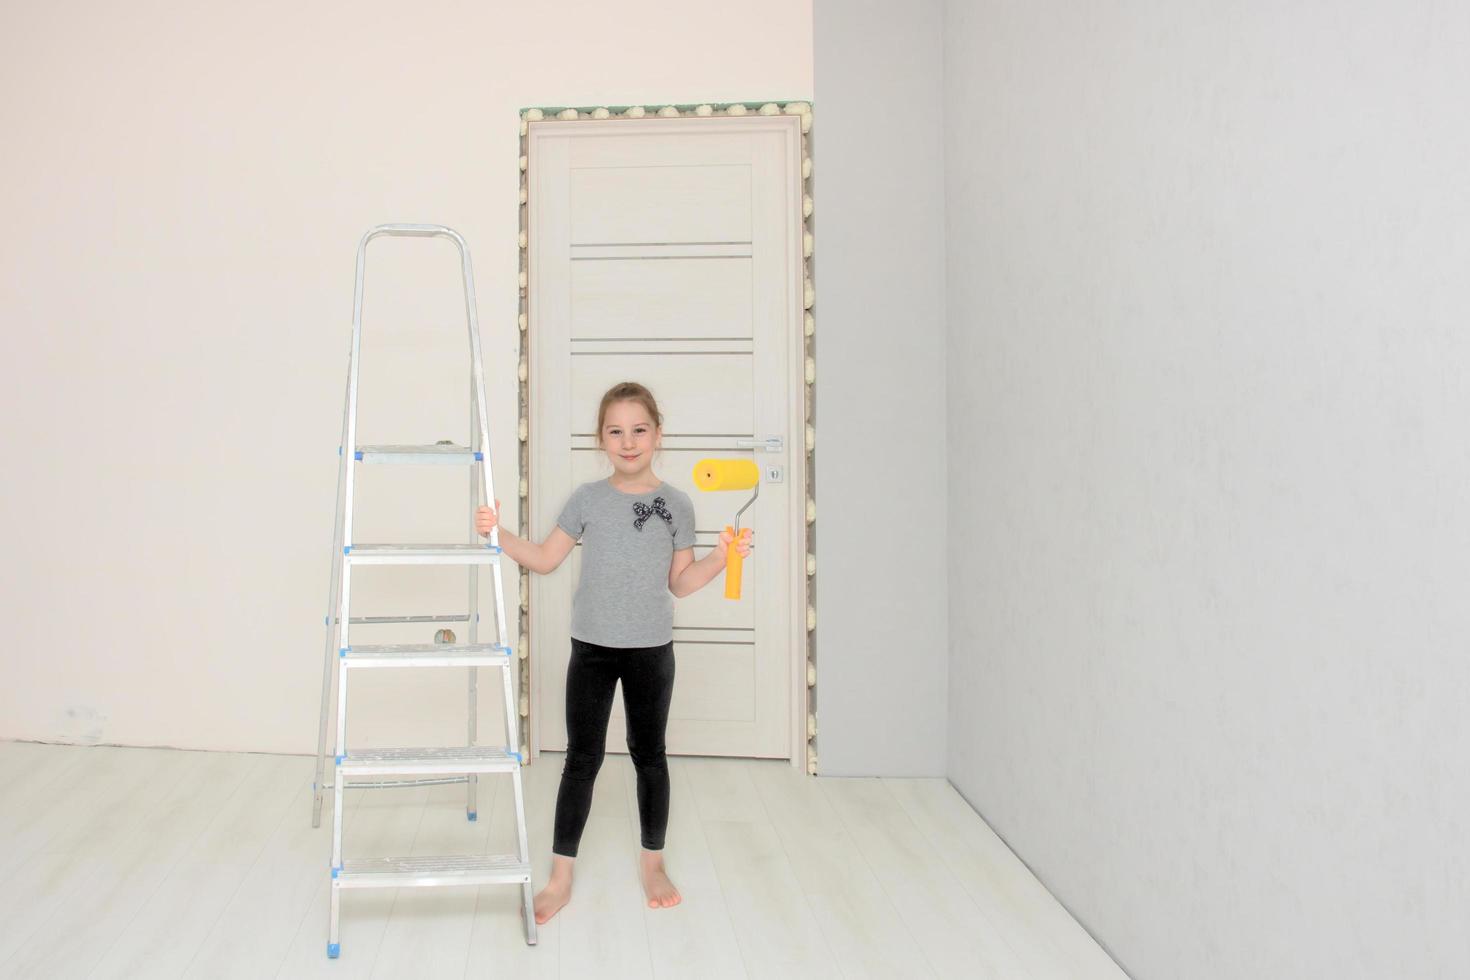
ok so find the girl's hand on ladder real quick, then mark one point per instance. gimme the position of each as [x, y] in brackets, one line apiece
[486, 518]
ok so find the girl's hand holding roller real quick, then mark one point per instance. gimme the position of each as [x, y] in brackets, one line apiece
[742, 547]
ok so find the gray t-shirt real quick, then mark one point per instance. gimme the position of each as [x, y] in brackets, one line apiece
[628, 542]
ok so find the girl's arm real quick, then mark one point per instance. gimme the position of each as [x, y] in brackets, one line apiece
[542, 558]
[687, 576]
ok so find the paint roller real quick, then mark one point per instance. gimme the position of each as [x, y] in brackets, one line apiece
[730, 474]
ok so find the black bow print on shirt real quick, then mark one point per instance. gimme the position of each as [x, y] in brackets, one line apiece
[644, 512]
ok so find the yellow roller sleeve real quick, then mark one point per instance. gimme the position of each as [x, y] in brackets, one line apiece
[726, 474]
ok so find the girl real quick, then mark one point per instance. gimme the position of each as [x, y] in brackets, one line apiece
[637, 537]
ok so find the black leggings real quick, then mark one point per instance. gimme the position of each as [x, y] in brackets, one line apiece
[647, 674]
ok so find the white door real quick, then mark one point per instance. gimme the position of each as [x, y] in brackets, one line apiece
[668, 251]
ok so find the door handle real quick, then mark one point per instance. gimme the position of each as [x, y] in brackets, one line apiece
[771, 444]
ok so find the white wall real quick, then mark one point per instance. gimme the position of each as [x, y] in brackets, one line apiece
[1209, 276]
[183, 190]
[881, 540]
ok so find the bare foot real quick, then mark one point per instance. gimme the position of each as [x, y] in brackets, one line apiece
[656, 884]
[558, 890]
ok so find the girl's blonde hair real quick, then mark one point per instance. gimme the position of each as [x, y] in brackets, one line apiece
[628, 391]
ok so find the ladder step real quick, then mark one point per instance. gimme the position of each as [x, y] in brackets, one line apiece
[404, 872]
[428, 762]
[422, 554]
[432, 455]
[426, 655]
[380, 620]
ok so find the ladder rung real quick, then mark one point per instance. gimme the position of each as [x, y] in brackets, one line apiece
[380, 620]
[428, 762]
[400, 783]
[422, 554]
[427, 655]
[402, 872]
[431, 455]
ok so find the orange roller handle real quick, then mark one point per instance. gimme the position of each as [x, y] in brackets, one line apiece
[734, 560]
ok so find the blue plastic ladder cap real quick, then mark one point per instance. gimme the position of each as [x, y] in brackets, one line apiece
[333, 949]
[357, 455]
[340, 758]
[479, 457]
[343, 652]
[472, 815]
[347, 550]
[335, 872]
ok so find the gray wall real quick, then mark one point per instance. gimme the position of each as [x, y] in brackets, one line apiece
[1208, 281]
[879, 227]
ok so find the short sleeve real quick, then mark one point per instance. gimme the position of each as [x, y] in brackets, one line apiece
[573, 519]
[683, 522]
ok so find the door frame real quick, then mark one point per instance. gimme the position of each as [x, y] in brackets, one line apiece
[794, 120]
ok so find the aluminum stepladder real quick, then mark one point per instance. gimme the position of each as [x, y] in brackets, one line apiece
[408, 766]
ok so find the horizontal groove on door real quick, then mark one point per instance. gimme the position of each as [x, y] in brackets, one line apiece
[654, 353]
[660, 250]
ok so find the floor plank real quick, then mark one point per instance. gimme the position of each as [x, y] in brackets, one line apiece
[775, 926]
[952, 932]
[79, 861]
[128, 862]
[861, 923]
[1050, 942]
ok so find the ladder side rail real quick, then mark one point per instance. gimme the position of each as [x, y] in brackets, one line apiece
[487, 482]
[329, 655]
[344, 618]
[349, 447]
[473, 676]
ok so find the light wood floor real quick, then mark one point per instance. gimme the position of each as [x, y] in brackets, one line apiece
[162, 863]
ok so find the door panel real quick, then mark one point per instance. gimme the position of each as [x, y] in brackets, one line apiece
[626, 205]
[658, 296]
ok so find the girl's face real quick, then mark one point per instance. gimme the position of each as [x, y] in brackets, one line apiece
[629, 438]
